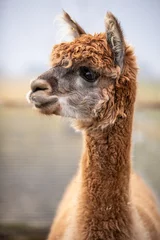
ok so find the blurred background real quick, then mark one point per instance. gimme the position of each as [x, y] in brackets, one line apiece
[39, 154]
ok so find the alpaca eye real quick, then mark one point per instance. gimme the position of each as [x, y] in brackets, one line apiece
[88, 74]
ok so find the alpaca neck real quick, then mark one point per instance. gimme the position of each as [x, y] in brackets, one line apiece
[105, 176]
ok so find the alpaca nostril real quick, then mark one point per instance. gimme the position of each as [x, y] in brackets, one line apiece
[40, 85]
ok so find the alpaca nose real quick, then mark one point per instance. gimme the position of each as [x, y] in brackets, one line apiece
[40, 85]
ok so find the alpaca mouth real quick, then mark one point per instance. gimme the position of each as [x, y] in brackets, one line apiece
[41, 100]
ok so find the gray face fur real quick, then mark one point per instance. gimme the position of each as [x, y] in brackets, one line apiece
[68, 93]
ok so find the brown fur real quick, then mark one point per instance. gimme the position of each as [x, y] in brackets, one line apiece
[92, 49]
[106, 199]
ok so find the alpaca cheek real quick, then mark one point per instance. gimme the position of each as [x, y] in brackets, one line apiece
[105, 94]
[99, 110]
[65, 109]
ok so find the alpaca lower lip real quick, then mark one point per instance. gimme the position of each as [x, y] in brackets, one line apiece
[42, 101]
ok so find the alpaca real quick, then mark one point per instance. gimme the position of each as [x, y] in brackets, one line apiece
[93, 81]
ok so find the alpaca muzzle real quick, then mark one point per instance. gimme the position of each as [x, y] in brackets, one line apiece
[40, 95]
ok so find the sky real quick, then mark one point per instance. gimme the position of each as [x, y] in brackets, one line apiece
[28, 32]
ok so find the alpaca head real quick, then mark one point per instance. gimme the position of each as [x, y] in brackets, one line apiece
[92, 78]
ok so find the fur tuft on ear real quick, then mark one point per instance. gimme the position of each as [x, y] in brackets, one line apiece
[72, 28]
[115, 38]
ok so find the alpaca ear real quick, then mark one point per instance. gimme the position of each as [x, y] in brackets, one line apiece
[73, 28]
[115, 39]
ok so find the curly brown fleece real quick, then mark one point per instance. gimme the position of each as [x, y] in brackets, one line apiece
[87, 47]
